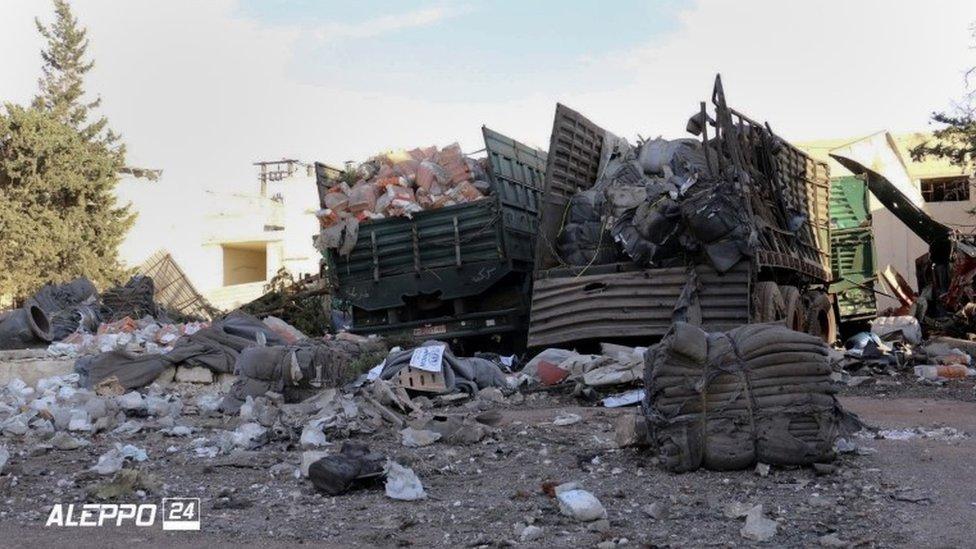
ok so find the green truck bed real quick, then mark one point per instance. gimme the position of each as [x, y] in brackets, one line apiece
[454, 273]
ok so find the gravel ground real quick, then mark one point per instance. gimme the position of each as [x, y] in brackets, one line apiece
[479, 494]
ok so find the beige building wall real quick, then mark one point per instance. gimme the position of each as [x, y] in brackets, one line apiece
[228, 244]
[895, 244]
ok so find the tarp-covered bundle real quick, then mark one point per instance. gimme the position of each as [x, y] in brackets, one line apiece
[758, 393]
[293, 370]
[215, 348]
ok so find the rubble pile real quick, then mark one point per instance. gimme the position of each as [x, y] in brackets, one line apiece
[399, 184]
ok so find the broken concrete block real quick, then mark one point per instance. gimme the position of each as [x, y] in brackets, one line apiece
[630, 430]
[166, 376]
[196, 374]
[758, 527]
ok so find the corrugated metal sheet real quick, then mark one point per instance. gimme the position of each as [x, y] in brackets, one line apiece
[635, 303]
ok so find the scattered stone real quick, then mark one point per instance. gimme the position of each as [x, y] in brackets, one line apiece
[4, 457]
[758, 527]
[566, 419]
[657, 510]
[492, 394]
[602, 526]
[313, 436]
[402, 483]
[762, 469]
[630, 430]
[737, 509]
[832, 540]
[580, 505]
[416, 438]
[531, 533]
[125, 483]
[63, 441]
[822, 469]
[195, 374]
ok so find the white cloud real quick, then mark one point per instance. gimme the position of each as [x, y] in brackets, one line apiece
[385, 24]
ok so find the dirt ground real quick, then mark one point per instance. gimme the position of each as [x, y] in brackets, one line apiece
[906, 493]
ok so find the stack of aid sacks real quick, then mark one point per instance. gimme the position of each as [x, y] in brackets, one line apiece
[405, 182]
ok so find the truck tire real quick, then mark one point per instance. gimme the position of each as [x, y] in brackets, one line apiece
[820, 318]
[767, 303]
[794, 313]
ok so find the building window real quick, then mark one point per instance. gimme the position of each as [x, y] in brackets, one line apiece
[946, 189]
[245, 262]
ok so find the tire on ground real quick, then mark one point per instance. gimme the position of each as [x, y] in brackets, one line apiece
[820, 318]
[794, 313]
[767, 303]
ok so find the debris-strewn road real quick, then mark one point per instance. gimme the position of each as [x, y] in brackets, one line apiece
[907, 493]
[941, 470]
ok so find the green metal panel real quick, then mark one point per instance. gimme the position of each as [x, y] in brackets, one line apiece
[852, 246]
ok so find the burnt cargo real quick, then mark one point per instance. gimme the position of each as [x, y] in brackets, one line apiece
[735, 231]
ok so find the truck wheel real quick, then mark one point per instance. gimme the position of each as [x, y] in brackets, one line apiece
[820, 318]
[767, 303]
[793, 310]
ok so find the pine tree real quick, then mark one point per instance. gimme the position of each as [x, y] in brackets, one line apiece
[58, 170]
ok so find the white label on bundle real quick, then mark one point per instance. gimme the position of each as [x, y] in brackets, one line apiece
[428, 358]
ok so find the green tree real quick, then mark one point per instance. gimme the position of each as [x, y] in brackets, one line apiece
[58, 170]
[955, 140]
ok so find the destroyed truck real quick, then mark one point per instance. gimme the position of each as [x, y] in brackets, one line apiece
[722, 230]
[446, 250]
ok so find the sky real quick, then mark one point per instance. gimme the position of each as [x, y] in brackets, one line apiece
[202, 89]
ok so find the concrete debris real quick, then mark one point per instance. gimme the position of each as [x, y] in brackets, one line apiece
[248, 436]
[630, 430]
[579, 504]
[566, 419]
[758, 527]
[112, 461]
[126, 483]
[63, 441]
[941, 433]
[313, 436]
[402, 483]
[657, 510]
[833, 541]
[737, 509]
[416, 438]
[531, 533]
